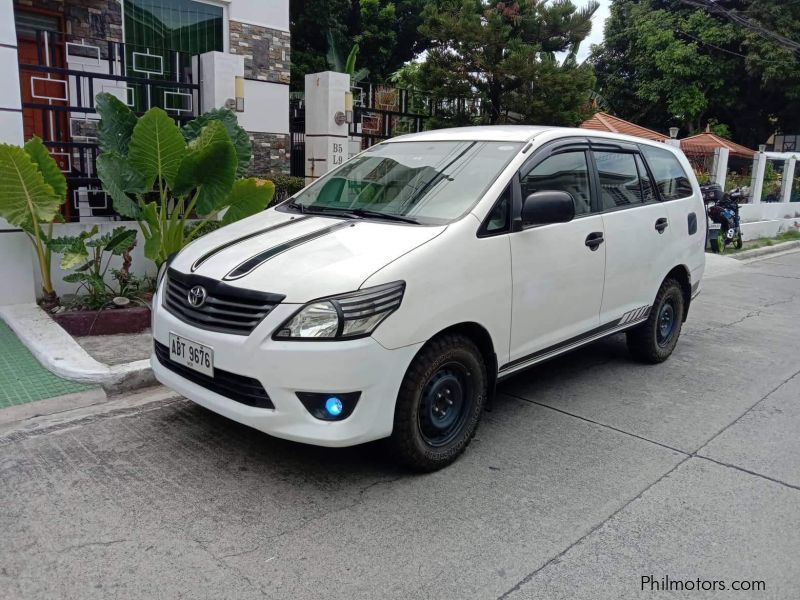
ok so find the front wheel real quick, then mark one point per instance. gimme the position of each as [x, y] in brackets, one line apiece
[721, 241]
[654, 340]
[440, 403]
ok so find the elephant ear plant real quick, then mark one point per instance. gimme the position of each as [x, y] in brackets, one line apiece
[32, 190]
[91, 254]
[161, 175]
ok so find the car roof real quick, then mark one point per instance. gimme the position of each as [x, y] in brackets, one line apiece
[515, 133]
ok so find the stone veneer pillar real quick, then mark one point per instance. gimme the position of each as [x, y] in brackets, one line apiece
[267, 58]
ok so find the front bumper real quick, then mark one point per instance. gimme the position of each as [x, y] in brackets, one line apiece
[284, 368]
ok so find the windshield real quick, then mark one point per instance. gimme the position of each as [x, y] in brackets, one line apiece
[423, 182]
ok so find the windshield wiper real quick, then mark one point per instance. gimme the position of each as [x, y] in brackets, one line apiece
[365, 212]
[295, 206]
[352, 213]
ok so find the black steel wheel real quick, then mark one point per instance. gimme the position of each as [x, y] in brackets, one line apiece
[440, 403]
[654, 340]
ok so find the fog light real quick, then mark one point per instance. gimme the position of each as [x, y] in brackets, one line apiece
[334, 406]
[329, 407]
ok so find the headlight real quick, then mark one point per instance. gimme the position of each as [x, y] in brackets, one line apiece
[162, 270]
[344, 317]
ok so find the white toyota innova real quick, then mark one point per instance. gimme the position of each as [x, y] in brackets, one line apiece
[387, 299]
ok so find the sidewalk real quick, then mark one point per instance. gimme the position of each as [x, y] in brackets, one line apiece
[23, 379]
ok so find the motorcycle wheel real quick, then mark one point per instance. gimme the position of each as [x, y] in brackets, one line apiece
[720, 240]
[739, 242]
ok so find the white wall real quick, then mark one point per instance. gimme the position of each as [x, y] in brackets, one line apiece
[267, 13]
[266, 107]
[16, 262]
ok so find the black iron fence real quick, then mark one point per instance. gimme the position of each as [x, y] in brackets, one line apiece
[382, 111]
[297, 133]
[59, 90]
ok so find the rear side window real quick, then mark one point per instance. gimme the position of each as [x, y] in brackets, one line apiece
[670, 178]
[619, 179]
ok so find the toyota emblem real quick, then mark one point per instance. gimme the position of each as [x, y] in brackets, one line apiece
[197, 296]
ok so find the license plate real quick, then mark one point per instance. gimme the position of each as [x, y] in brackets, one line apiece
[190, 354]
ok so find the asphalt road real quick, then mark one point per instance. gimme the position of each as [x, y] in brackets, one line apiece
[590, 472]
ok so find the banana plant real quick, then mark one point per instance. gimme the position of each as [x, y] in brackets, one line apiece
[162, 175]
[32, 190]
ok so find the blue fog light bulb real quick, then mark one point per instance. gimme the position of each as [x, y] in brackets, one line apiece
[334, 406]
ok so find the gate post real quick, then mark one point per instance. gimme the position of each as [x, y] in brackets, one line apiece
[327, 138]
[788, 179]
[757, 183]
[16, 256]
[720, 170]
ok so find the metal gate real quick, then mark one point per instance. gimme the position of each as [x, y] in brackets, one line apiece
[59, 88]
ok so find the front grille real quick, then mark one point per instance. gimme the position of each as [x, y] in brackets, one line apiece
[242, 389]
[227, 308]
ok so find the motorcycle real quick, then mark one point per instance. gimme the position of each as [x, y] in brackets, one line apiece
[723, 209]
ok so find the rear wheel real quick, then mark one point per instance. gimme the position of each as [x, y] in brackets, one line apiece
[440, 403]
[739, 241]
[654, 340]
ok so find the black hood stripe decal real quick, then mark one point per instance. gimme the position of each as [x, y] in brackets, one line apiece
[249, 236]
[259, 259]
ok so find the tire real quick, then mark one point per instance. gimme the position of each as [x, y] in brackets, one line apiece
[721, 239]
[654, 340]
[739, 242]
[440, 403]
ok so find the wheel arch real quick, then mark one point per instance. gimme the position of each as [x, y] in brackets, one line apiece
[681, 274]
[483, 340]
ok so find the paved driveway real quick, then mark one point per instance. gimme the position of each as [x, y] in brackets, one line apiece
[590, 473]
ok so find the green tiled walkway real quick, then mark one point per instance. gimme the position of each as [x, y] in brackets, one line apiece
[23, 379]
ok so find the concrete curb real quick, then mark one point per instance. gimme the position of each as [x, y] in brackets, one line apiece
[55, 349]
[766, 250]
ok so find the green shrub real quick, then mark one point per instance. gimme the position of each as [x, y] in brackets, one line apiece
[285, 187]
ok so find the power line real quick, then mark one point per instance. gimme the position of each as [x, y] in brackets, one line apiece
[710, 44]
[713, 7]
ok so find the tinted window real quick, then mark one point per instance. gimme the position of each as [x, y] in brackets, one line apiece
[567, 172]
[619, 179]
[671, 179]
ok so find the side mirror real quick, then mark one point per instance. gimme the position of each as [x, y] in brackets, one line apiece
[544, 208]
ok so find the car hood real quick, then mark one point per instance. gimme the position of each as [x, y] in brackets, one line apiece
[302, 257]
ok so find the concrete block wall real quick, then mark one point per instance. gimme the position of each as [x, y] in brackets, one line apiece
[769, 219]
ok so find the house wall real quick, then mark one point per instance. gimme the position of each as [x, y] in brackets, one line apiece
[259, 32]
[16, 256]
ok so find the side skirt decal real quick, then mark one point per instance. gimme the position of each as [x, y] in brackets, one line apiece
[629, 319]
[259, 259]
[245, 238]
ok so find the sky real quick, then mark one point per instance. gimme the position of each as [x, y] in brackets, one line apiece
[598, 21]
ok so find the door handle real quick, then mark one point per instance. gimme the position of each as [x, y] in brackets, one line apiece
[661, 224]
[593, 240]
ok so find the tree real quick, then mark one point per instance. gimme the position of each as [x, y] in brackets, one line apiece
[664, 64]
[505, 54]
[386, 32]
